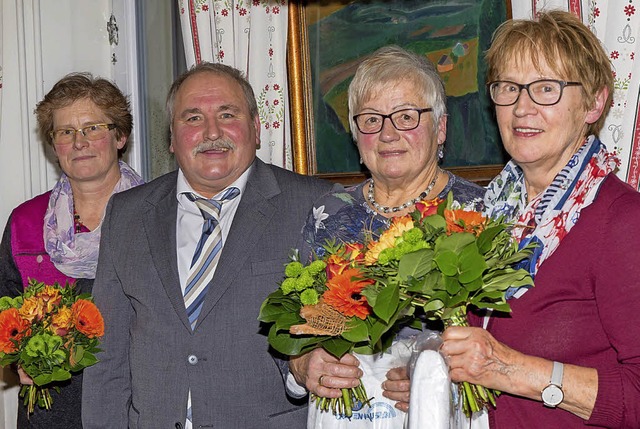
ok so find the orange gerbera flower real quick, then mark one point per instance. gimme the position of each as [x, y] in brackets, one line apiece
[87, 318]
[464, 221]
[344, 293]
[388, 238]
[12, 327]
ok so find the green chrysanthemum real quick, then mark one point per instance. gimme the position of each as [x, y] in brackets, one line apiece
[386, 256]
[412, 236]
[293, 269]
[288, 286]
[309, 297]
[316, 267]
[6, 302]
[304, 281]
[36, 346]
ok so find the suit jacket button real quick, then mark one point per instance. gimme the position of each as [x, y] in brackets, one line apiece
[192, 359]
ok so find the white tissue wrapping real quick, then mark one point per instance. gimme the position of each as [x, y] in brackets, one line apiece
[381, 413]
[430, 404]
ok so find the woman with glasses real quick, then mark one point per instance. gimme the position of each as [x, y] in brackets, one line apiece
[398, 120]
[568, 354]
[55, 236]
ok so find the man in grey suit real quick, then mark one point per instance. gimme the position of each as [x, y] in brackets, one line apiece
[159, 368]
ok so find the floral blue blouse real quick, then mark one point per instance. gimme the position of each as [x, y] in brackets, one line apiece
[344, 215]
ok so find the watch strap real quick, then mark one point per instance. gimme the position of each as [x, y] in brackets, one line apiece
[557, 374]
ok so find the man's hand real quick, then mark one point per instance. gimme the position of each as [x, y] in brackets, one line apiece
[323, 374]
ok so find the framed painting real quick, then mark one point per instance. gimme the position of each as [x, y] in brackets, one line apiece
[329, 39]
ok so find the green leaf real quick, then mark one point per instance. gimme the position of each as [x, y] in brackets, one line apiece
[503, 307]
[337, 346]
[415, 264]
[471, 264]
[357, 331]
[387, 303]
[60, 374]
[270, 313]
[435, 221]
[508, 279]
[452, 286]
[474, 285]
[447, 261]
[460, 298]
[42, 379]
[371, 293]
[426, 285]
[433, 306]
[486, 237]
[87, 360]
[454, 242]
[285, 343]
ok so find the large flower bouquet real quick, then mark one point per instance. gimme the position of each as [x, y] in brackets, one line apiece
[50, 331]
[434, 263]
[322, 305]
[445, 260]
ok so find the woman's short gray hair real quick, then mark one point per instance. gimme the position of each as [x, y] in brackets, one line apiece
[390, 65]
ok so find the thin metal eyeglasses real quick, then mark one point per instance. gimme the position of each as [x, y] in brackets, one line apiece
[545, 92]
[64, 136]
[402, 120]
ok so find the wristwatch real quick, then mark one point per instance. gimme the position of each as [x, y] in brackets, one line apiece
[552, 395]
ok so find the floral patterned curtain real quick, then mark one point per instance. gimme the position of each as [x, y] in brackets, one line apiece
[617, 24]
[250, 35]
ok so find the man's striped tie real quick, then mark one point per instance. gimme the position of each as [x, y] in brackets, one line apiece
[207, 252]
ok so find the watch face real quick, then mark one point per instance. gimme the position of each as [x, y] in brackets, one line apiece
[552, 395]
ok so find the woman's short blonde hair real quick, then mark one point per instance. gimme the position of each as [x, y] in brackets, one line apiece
[78, 86]
[569, 48]
[391, 65]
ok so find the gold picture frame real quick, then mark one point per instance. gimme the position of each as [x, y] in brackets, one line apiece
[302, 122]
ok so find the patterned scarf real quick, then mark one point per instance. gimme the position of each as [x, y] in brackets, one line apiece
[549, 217]
[76, 255]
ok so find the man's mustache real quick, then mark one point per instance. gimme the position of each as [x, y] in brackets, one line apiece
[219, 144]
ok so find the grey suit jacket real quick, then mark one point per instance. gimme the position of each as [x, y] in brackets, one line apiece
[151, 357]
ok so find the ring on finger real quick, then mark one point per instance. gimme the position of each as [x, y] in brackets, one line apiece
[320, 380]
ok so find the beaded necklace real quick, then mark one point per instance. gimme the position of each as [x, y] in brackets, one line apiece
[386, 209]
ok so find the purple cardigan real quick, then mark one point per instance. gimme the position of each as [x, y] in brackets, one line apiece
[583, 310]
[27, 243]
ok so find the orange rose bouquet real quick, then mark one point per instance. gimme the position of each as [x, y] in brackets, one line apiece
[50, 331]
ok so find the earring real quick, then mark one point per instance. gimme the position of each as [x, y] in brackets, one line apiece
[441, 151]
[361, 161]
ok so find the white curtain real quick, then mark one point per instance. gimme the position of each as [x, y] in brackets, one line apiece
[617, 25]
[250, 35]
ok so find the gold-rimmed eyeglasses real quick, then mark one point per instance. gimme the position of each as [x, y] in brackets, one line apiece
[402, 120]
[64, 136]
[545, 92]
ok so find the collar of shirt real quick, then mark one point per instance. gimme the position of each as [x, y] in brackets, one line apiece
[189, 220]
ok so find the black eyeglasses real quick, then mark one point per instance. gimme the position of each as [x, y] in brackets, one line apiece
[545, 92]
[402, 120]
